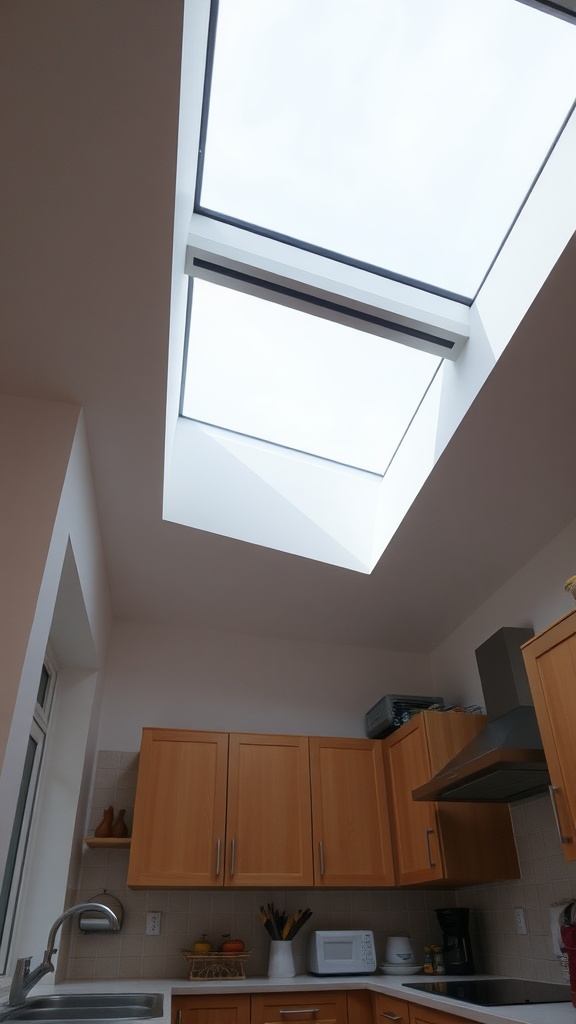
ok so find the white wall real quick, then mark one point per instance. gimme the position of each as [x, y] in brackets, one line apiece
[52, 576]
[35, 445]
[532, 597]
[174, 676]
[201, 679]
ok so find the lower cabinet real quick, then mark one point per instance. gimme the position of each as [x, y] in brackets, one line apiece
[400, 1011]
[353, 1007]
[297, 1007]
[272, 1008]
[421, 1015]
[389, 1008]
[219, 1009]
[360, 1010]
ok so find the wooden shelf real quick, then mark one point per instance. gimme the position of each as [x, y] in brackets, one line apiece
[108, 844]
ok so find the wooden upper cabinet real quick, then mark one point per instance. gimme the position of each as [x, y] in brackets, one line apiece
[550, 659]
[350, 820]
[417, 846]
[180, 810]
[269, 832]
[453, 843]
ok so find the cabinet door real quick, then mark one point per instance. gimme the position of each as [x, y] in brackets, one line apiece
[461, 843]
[550, 660]
[269, 831]
[389, 1008]
[359, 1006]
[477, 839]
[299, 1007]
[422, 1015]
[219, 1009]
[350, 820]
[417, 845]
[179, 813]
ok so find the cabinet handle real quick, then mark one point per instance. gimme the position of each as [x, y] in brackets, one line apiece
[563, 839]
[218, 846]
[429, 832]
[232, 856]
[391, 1016]
[313, 1009]
[321, 856]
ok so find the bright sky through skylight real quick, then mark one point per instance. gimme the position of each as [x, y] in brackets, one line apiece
[402, 133]
[276, 373]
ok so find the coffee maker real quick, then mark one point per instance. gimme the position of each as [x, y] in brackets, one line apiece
[456, 940]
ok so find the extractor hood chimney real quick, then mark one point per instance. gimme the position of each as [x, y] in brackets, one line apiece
[505, 761]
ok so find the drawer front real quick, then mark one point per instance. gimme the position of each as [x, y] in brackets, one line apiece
[233, 1009]
[299, 1008]
[389, 1010]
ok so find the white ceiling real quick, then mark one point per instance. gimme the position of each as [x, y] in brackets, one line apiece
[89, 111]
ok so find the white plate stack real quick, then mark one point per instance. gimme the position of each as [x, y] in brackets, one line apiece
[401, 968]
[399, 956]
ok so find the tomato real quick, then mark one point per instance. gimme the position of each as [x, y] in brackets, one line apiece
[231, 945]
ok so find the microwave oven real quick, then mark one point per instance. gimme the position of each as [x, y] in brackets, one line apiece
[341, 952]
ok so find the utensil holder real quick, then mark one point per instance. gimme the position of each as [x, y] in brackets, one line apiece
[281, 961]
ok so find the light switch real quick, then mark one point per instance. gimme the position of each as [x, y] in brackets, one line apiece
[153, 918]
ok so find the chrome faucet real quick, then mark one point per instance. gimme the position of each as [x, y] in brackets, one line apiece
[24, 979]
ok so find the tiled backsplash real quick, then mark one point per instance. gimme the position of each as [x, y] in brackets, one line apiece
[186, 915]
[546, 879]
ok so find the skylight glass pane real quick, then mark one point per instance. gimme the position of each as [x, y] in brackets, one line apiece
[400, 133]
[298, 380]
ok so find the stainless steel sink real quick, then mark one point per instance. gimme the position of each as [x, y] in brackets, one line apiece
[87, 1006]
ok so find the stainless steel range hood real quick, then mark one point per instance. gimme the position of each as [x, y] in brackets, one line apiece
[505, 761]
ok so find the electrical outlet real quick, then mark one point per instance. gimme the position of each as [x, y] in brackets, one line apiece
[520, 921]
[153, 918]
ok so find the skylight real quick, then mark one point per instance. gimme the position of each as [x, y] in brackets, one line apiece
[403, 134]
[382, 186]
[279, 374]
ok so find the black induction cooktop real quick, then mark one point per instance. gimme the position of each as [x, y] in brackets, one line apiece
[496, 991]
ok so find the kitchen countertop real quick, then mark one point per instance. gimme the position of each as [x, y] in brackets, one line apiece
[551, 1013]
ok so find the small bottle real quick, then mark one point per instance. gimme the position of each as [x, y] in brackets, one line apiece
[428, 965]
[438, 960]
[104, 829]
[119, 826]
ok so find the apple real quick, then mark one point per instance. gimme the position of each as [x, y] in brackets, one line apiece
[202, 946]
[231, 945]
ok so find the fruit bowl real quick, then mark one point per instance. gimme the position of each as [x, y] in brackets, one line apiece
[215, 966]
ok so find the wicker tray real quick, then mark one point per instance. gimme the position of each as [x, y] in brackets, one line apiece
[216, 966]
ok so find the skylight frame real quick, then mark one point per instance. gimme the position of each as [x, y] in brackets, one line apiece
[266, 266]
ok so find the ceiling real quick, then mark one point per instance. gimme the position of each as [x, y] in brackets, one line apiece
[89, 97]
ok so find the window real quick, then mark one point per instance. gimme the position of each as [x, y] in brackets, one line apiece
[15, 862]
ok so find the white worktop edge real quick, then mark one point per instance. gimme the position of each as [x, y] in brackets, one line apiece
[552, 1013]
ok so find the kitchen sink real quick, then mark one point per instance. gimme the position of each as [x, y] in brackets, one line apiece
[87, 1006]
